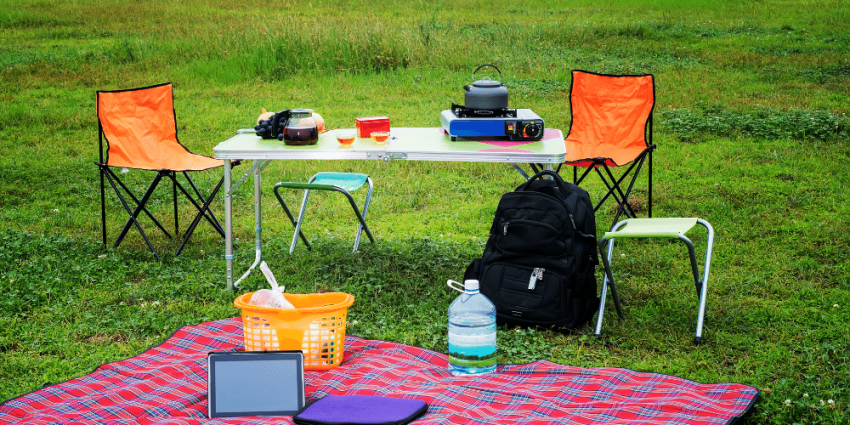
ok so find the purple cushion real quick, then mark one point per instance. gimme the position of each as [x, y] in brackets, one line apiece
[361, 409]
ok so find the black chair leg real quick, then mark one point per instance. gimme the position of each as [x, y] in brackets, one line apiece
[171, 175]
[614, 185]
[129, 193]
[202, 213]
[211, 218]
[134, 214]
[102, 203]
[614, 191]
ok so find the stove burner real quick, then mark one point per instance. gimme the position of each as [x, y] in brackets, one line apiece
[461, 111]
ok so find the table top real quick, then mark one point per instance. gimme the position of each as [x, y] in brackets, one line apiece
[406, 143]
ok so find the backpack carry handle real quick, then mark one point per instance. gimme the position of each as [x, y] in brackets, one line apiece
[555, 176]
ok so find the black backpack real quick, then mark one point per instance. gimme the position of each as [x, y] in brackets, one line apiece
[538, 266]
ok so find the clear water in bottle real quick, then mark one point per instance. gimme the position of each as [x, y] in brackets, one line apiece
[472, 333]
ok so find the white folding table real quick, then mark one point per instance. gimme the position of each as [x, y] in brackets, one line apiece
[405, 143]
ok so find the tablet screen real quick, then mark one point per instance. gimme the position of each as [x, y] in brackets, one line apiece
[255, 383]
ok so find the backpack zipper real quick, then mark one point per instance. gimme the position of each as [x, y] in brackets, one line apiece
[505, 228]
[574, 222]
[536, 274]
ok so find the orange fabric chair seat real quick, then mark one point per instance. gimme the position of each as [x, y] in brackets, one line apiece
[164, 161]
[582, 154]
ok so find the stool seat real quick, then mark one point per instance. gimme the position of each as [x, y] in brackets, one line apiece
[670, 227]
[348, 181]
[344, 183]
[653, 228]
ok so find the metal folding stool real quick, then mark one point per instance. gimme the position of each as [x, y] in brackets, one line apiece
[344, 183]
[674, 228]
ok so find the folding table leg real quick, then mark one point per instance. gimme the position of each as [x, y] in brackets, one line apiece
[520, 171]
[228, 224]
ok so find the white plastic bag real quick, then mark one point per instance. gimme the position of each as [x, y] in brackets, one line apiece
[269, 298]
[274, 297]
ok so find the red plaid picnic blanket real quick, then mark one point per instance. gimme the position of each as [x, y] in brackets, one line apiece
[167, 385]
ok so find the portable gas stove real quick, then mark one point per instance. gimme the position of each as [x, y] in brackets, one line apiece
[471, 124]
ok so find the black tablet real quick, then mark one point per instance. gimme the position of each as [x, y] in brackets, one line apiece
[255, 383]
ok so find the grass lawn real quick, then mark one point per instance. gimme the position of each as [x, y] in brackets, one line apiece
[750, 123]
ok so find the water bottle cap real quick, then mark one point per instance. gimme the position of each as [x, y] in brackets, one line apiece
[471, 285]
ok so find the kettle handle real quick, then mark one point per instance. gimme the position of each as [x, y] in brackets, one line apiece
[488, 64]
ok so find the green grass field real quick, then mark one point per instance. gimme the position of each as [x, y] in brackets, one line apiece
[750, 123]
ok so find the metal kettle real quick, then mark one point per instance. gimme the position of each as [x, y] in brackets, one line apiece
[486, 94]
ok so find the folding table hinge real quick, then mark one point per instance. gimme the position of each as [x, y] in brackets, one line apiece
[396, 155]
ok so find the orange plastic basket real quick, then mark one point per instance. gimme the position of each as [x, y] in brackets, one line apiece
[316, 327]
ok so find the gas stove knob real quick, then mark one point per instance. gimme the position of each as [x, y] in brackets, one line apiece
[532, 130]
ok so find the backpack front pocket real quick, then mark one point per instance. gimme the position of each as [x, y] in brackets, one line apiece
[526, 292]
[529, 236]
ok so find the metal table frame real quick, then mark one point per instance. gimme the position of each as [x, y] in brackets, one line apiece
[405, 143]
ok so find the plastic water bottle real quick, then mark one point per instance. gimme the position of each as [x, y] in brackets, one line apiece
[472, 331]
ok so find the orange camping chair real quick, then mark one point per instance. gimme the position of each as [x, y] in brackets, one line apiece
[140, 129]
[611, 127]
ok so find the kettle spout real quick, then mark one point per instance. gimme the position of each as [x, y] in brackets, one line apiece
[467, 87]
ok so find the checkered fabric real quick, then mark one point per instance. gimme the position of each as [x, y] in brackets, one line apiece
[167, 385]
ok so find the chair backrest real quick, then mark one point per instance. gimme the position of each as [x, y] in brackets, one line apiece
[610, 116]
[140, 127]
